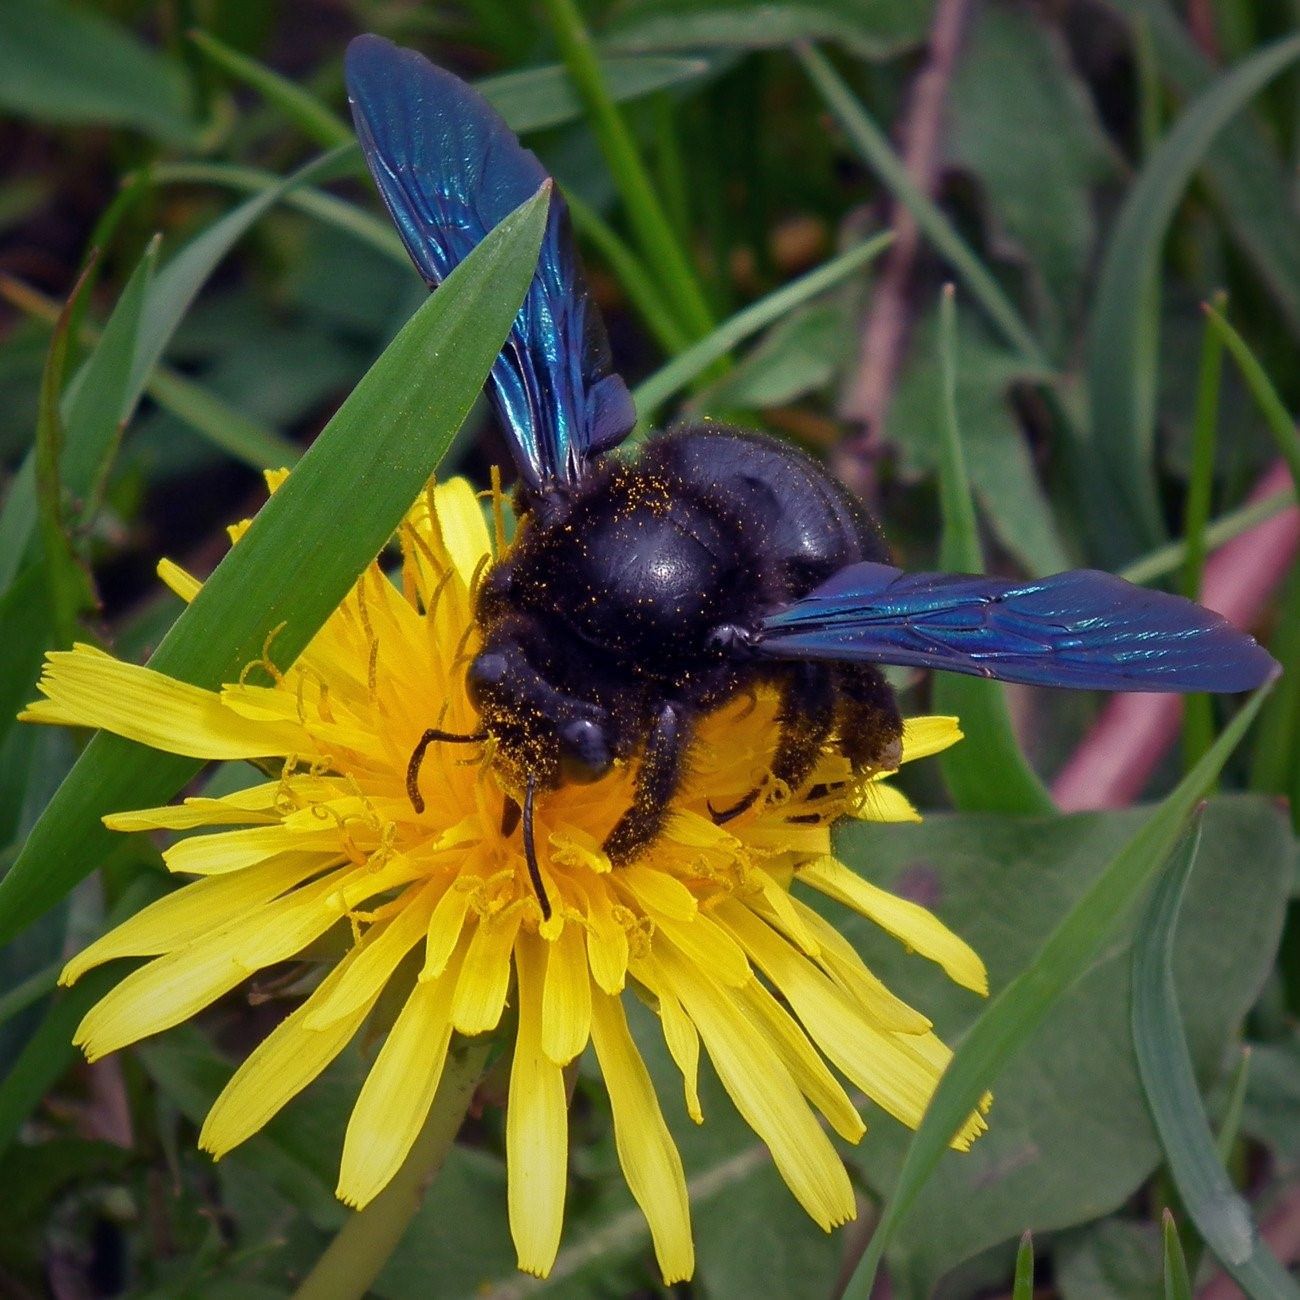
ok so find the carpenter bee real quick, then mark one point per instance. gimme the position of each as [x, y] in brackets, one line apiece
[643, 591]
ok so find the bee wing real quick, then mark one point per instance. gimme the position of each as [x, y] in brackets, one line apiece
[1082, 629]
[449, 169]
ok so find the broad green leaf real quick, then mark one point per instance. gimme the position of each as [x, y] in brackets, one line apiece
[998, 461]
[1113, 1257]
[306, 546]
[681, 370]
[1221, 1216]
[299, 1158]
[1122, 437]
[1024, 1004]
[987, 772]
[60, 63]
[874, 29]
[1069, 1134]
[1023, 124]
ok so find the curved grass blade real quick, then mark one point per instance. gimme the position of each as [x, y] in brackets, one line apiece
[1279, 420]
[874, 146]
[1177, 1284]
[681, 370]
[1122, 438]
[1022, 1285]
[987, 772]
[300, 106]
[305, 547]
[1014, 1013]
[1221, 1216]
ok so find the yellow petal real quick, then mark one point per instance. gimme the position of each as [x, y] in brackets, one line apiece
[375, 959]
[566, 1002]
[646, 1152]
[175, 987]
[680, 1034]
[907, 921]
[791, 1044]
[537, 1125]
[85, 687]
[395, 1098]
[227, 851]
[658, 893]
[184, 584]
[446, 925]
[282, 1065]
[192, 911]
[707, 945]
[607, 947]
[930, 735]
[254, 806]
[485, 978]
[464, 529]
[881, 802]
[765, 1095]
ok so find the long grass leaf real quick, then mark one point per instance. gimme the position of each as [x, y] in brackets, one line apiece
[653, 392]
[987, 772]
[1177, 1283]
[1122, 433]
[1222, 1218]
[304, 549]
[1014, 1014]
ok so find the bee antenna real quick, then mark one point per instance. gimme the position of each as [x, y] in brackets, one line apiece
[530, 849]
[417, 758]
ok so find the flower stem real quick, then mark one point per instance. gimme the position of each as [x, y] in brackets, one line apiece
[355, 1257]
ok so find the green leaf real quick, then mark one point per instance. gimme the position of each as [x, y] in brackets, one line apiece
[1111, 1258]
[64, 64]
[987, 772]
[1023, 124]
[166, 300]
[1221, 1216]
[998, 460]
[681, 370]
[1122, 437]
[538, 98]
[1178, 1286]
[1246, 177]
[300, 106]
[1022, 1285]
[1069, 1134]
[298, 1151]
[875, 29]
[1024, 1004]
[306, 546]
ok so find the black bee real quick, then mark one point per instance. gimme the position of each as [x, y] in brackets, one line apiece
[643, 592]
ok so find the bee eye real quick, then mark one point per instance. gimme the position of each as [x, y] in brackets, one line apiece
[487, 670]
[584, 750]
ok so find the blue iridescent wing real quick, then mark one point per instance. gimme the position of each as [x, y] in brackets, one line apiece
[449, 169]
[1083, 629]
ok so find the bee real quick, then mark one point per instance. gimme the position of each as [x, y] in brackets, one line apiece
[644, 591]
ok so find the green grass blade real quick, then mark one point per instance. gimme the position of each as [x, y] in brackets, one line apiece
[642, 208]
[1014, 1013]
[1022, 1285]
[65, 580]
[1170, 557]
[305, 547]
[300, 106]
[986, 772]
[873, 144]
[1177, 1284]
[681, 370]
[1221, 1216]
[1230, 1129]
[1276, 416]
[1198, 712]
[1122, 436]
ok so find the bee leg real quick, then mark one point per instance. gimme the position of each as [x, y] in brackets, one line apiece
[656, 782]
[870, 726]
[530, 851]
[805, 718]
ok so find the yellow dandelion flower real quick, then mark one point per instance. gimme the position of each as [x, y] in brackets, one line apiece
[705, 926]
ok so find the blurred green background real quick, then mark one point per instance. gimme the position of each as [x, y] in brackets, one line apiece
[1087, 174]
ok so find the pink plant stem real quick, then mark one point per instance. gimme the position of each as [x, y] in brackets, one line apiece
[1115, 760]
